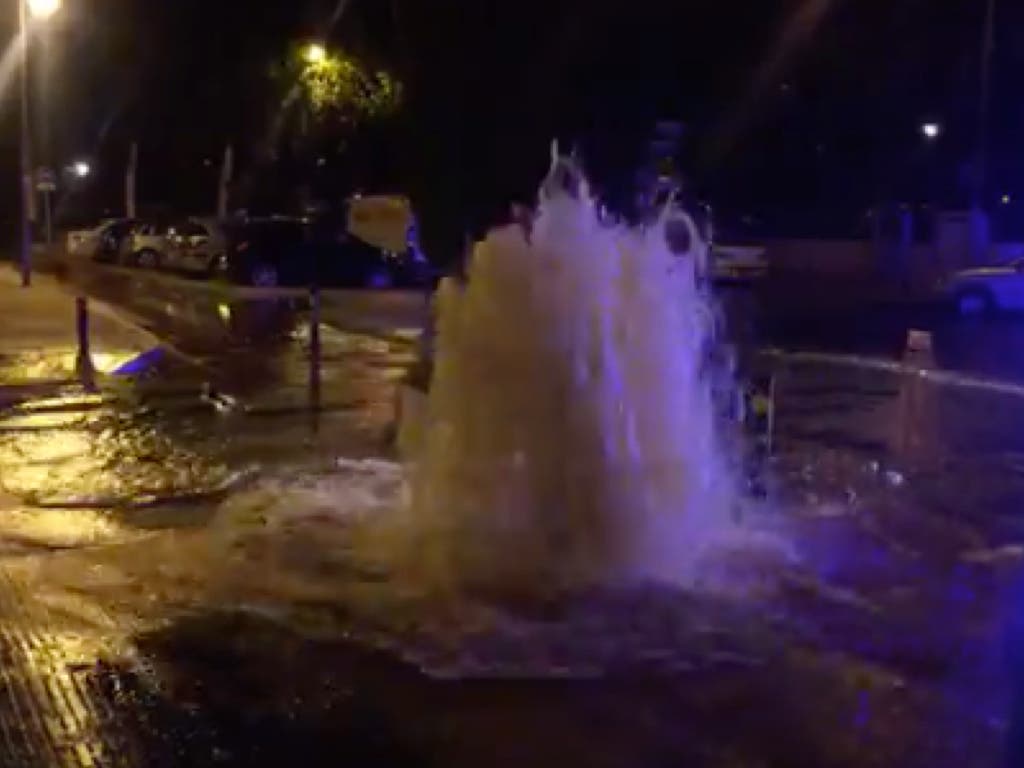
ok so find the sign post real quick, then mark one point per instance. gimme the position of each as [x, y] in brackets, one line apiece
[46, 184]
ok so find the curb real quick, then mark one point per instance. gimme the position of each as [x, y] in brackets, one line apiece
[128, 320]
[934, 375]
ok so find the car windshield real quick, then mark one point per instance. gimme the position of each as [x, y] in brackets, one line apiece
[462, 383]
[274, 232]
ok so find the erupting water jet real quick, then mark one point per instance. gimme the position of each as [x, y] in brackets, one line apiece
[569, 435]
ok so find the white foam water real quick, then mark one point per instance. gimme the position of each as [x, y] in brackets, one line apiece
[570, 434]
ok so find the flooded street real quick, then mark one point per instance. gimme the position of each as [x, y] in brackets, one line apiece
[448, 385]
[195, 570]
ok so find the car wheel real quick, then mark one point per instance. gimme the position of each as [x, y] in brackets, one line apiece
[974, 302]
[148, 258]
[263, 276]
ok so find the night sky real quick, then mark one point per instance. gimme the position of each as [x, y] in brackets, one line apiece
[808, 106]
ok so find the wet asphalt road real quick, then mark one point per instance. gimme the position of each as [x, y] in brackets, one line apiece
[138, 629]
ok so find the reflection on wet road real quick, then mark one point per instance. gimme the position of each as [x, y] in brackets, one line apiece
[189, 573]
[232, 394]
[107, 498]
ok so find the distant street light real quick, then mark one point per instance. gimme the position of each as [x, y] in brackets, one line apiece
[43, 9]
[931, 131]
[81, 169]
[315, 53]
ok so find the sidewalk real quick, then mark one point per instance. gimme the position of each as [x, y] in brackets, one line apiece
[38, 337]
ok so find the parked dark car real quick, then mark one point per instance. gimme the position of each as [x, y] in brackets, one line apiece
[266, 252]
[290, 251]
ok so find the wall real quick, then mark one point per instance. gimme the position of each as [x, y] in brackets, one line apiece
[822, 257]
[860, 258]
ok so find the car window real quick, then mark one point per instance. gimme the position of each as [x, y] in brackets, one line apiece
[277, 233]
[191, 229]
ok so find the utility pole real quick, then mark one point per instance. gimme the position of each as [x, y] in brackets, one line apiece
[27, 188]
[984, 103]
[39, 11]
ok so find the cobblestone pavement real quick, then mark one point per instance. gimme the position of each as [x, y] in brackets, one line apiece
[55, 705]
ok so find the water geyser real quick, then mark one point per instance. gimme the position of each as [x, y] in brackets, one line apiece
[570, 436]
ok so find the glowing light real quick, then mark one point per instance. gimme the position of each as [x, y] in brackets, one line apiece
[81, 169]
[108, 362]
[1006, 200]
[43, 9]
[931, 131]
[139, 364]
[315, 53]
[224, 311]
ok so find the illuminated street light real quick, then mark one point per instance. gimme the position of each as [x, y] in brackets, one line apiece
[931, 131]
[43, 9]
[315, 53]
[81, 169]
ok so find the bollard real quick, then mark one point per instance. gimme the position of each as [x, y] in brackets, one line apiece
[772, 392]
[314, 349]
[83, 361]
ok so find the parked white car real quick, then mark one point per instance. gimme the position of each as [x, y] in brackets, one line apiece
[85, 242]
[196, 245]
[149, 244]
[987, 289]
[101, 243]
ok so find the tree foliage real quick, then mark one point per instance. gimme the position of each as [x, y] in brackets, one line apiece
[339, 93]
[338, 88]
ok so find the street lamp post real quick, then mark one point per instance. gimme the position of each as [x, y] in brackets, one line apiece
[26, 156]
[36, 9]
